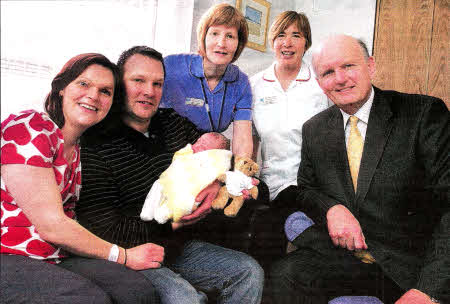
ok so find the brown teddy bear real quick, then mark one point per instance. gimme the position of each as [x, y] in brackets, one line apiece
[236, 183]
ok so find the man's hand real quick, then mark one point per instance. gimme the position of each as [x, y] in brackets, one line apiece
[183, 222]
[344, 229]
[145, 256]
[205, 197]
[414, 296]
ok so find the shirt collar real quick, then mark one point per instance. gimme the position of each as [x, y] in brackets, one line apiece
[303, 75]
[363, 113]
[196, 69]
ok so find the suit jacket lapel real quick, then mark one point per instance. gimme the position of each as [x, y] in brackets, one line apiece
[336, 147]
[378, 130]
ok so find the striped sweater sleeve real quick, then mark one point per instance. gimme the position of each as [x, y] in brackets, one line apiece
[119, 170]
[107, 211]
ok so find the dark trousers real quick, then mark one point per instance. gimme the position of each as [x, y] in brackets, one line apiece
[75, 280]
[321, 272]
[238, 232]
[270, 240]
[256, 231]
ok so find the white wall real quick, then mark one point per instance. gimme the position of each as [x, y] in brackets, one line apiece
[173, 18]
[352, 17]
[48, 33]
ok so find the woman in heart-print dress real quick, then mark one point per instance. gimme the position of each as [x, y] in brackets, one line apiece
[40, 184]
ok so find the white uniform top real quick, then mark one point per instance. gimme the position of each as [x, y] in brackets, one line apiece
[278, 117]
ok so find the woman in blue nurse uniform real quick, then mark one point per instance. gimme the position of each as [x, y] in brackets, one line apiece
[206, 87]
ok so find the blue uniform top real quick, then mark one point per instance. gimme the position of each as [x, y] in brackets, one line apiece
[186, 91]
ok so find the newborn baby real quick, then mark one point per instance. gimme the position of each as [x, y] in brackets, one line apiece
[193, 168]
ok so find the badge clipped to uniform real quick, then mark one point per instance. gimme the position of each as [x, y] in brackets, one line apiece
[196, 102]
[268, 100]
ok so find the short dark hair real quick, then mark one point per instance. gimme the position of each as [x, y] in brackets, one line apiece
[284, 20]
[142, 50]
[117, 109]
[70, 71]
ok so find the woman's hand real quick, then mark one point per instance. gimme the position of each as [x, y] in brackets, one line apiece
[35, 191]
[245, 193]
[145, 256]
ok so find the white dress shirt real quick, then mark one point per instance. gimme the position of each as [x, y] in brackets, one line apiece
[278, 117]
[363, 118]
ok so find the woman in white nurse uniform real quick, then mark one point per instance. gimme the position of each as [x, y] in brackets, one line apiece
[285, 95]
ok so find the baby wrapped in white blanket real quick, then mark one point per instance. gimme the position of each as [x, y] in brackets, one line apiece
[193, 168]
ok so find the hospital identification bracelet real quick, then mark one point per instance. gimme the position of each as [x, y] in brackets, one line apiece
[113, 253]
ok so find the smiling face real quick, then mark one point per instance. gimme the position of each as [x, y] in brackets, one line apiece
[88, 98]
[221, 43]
[289, 47]
[143, 78]
[344, 73]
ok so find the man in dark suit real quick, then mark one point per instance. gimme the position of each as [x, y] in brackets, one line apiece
[374, 176]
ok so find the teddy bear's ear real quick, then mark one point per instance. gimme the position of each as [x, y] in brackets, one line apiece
[237, 162]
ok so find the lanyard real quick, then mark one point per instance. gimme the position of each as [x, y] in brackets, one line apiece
[207, 105]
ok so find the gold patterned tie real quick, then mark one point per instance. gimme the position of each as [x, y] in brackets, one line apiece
[355, 147]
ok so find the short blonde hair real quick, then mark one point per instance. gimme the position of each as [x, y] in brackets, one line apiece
[222, 14]
[284, 20]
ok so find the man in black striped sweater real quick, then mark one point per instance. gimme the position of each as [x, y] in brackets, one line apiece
[121, 160]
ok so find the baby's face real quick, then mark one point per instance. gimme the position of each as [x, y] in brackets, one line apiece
[207, 142]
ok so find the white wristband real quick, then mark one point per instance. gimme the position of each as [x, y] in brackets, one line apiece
[113, 253]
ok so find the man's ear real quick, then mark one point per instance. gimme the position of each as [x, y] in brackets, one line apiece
[320, 85]
[371, 66]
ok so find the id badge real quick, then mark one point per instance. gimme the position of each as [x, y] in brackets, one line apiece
[268, 100]
[196, 102]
